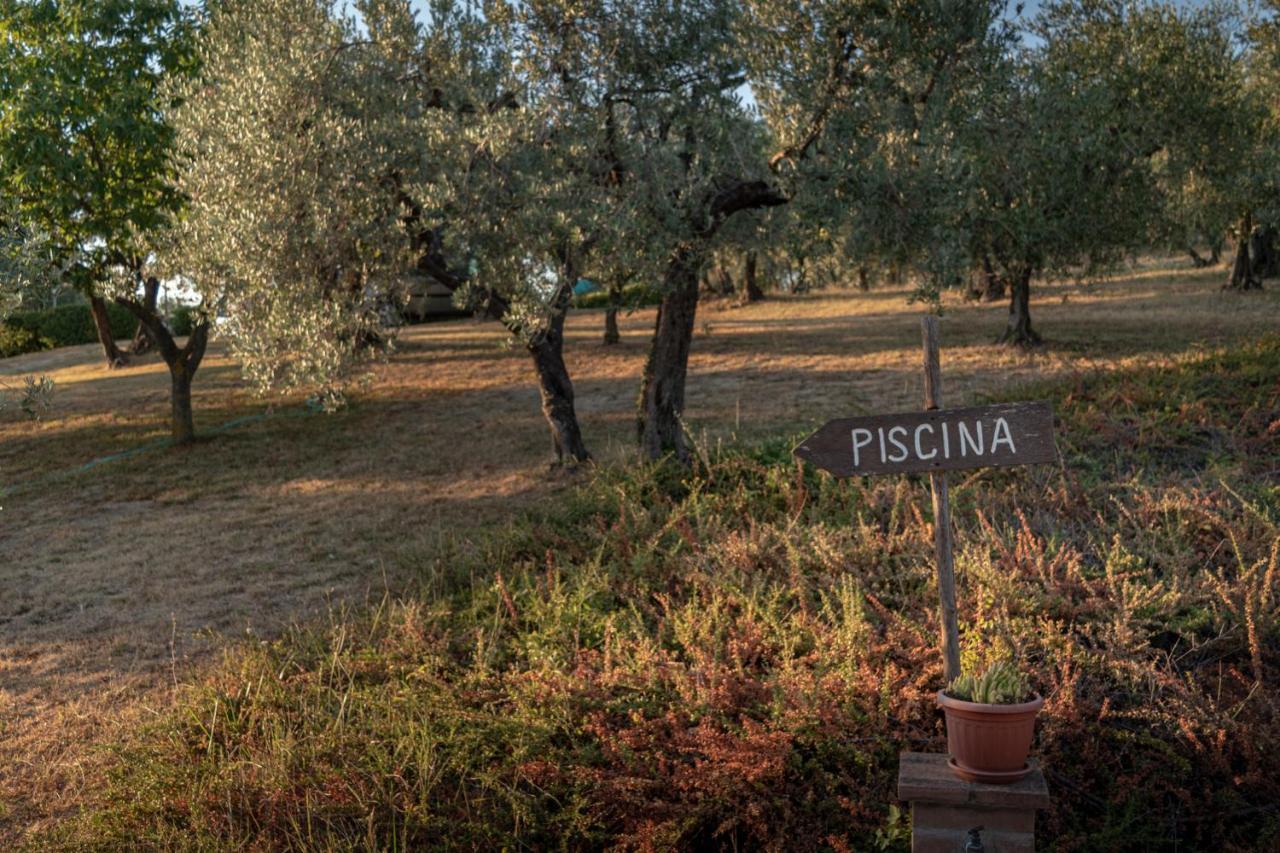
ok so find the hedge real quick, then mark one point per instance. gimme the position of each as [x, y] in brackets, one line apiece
[66, 325]
[633, 296]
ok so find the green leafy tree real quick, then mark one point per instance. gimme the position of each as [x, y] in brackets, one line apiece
[84, 145]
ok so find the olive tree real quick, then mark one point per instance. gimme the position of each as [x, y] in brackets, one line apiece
[518, 199]
[1079, 137]
[287, 142]
[1254, 184]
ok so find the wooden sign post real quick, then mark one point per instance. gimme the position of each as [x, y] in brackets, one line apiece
[936, 440]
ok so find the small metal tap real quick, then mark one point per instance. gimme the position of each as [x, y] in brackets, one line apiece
[974, 844]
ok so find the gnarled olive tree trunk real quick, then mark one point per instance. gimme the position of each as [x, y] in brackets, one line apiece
[611, 333]
[1018, 332]
[661, 402]
[992, 285]
[663, 382]
[1242, 269]
[864, 278]
[546, 347]
[1264, 253]
[1199, 261]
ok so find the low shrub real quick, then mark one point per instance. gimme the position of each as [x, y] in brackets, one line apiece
[732, 658]
[15, 340]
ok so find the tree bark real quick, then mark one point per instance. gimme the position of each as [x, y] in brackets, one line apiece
[666, 369]
[993, 287]
[142, 342]
[611, 334]
[727, 287]
[751, 291]
[183, 362]
[183, 427]
[102, 322]
[662, 385]
[1242, 275]
[546, 347]
[1019, 331]
[864, 278]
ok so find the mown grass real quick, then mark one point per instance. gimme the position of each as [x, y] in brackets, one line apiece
[734, 658]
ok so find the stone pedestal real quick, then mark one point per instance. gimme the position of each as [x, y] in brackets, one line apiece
[944, 807]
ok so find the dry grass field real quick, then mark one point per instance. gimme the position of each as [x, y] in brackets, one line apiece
[120, 577]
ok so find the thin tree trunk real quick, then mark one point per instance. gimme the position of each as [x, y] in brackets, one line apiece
[895, 274]
[662, 386]
[554, 385]
[142, 342]
[864, 278]
[727, 287]
[556, 390]
[102, 322]
[611, 334]
[993, 287]
[751, 291]
[1019, 331]
[183, 362]
[1242, 277]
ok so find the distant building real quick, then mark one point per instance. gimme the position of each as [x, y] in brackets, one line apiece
[429, 299]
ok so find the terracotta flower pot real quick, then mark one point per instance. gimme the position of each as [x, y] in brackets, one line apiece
[989, 743]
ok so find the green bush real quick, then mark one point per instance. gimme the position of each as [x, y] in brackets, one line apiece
[180, 321]
[70, 325]
[635, 296]
[16, 341]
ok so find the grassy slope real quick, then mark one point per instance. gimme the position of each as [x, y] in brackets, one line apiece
[736, 658]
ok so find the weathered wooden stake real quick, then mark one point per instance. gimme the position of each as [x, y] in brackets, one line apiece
[941, 511]
[936, 441]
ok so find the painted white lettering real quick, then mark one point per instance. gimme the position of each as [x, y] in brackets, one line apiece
[883, 458]
[946, 441]
[1003, 435]
[919, 450]
[966, 440]
[898, 444]
[861, 438]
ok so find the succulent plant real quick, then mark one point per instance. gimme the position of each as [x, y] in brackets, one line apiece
[1002, 684]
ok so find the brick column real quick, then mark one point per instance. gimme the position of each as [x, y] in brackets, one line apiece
[944, 807]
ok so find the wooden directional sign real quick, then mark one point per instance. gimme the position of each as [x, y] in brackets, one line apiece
[938, 440]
